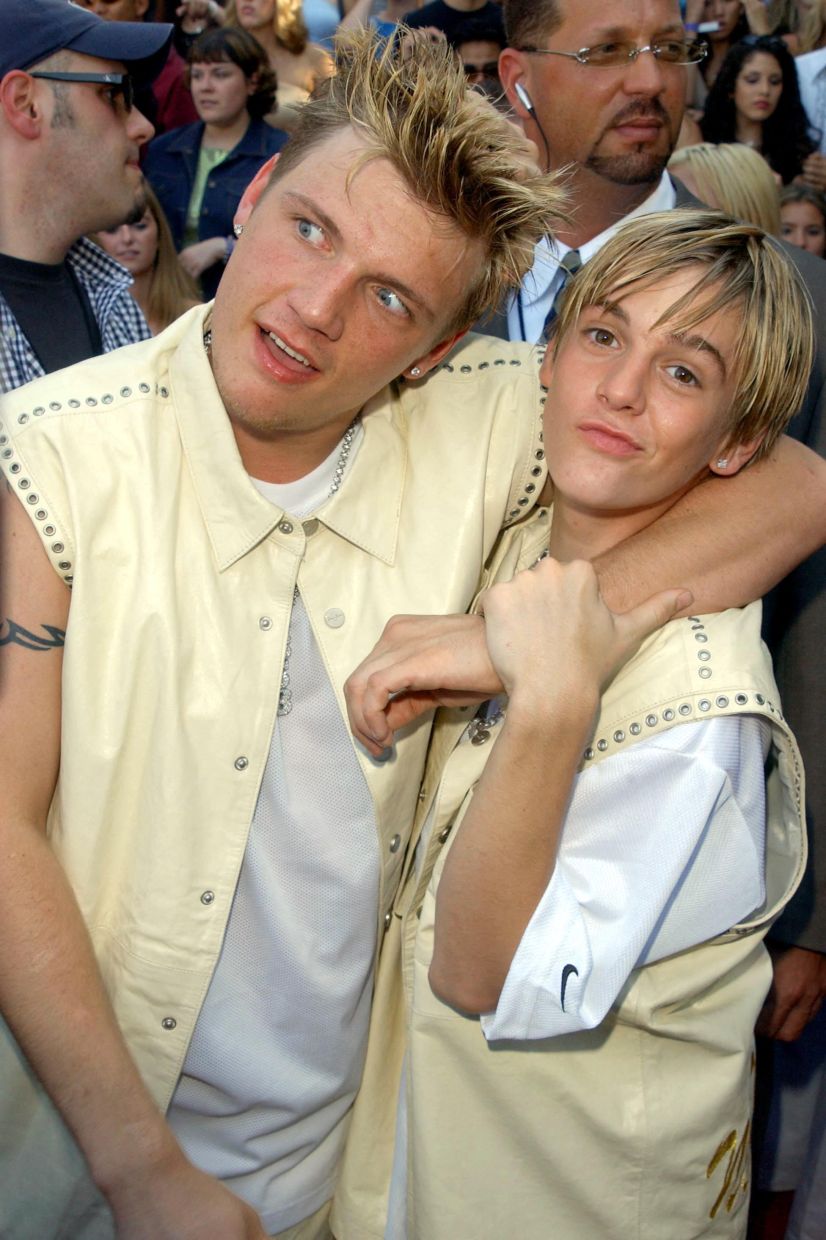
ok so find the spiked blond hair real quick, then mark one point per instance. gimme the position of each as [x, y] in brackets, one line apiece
[460, 158]
[739, 269]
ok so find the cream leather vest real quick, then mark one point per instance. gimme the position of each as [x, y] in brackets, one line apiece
[639, 1128]
[183, 579]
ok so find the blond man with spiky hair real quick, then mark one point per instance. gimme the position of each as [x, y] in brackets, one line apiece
[239, 506]
[198, 863]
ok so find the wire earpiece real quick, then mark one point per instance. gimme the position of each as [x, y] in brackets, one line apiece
[523, 97]
[527, 103]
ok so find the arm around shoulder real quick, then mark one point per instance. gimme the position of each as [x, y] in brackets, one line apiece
[729, 540]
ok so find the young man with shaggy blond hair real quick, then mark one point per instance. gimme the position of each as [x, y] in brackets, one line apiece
[199, 864]
[606, 843]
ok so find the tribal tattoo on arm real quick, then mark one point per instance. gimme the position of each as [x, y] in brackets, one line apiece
[13, 634]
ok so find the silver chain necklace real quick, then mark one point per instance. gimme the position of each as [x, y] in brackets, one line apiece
[285, 694]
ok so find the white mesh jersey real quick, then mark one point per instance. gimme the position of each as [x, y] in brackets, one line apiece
[278, 1048]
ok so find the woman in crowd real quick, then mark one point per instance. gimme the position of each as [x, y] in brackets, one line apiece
[755, 99]
[200, 171]
[279, 27]
[731, 177]
[161, 287]
[729, 25]
[803, 218]
[809, 32]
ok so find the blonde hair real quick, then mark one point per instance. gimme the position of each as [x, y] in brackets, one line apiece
[734, 178]
[742, 271]
[460, 158]
[811, 30]
[287, 24]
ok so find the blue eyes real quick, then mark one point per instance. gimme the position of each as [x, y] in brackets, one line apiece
[310, 231]
[386, 297]
[392, 301]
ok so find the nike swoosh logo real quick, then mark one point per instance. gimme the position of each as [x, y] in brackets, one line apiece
[566, 973]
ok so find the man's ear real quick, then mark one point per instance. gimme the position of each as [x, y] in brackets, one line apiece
[140, 9]
[513, 68]
[20, 105]
[254, 190]
[422, 365]
[731, 458]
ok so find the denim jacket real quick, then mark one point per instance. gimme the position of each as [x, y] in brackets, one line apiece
[170, 166]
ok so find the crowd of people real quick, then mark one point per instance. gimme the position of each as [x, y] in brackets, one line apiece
[405, 828]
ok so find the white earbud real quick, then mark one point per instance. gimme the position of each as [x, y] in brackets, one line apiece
[523, 96]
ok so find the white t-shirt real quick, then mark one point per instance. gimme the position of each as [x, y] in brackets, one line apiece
[278, 1048]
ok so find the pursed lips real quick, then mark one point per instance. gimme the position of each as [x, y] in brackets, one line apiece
[610, 439]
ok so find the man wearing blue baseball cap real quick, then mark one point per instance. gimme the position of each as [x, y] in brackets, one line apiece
[69, 143]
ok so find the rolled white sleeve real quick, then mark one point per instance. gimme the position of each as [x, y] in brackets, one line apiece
[663, 847]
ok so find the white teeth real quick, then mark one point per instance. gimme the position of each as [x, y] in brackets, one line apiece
[290, 352]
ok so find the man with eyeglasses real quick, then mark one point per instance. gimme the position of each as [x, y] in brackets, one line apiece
[601, 90]
[69, 143]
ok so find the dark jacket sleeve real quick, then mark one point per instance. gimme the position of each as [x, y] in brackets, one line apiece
[794, 628]
[795, 625]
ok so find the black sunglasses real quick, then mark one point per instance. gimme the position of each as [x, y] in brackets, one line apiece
[767, 42]
[120, 85]
[489, 69]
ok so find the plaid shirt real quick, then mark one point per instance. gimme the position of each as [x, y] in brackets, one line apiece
[118, 315]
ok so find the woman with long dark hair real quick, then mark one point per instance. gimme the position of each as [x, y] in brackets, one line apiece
[755, 99]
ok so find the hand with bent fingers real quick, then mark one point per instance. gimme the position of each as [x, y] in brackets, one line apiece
[551, 637]
[422, 662]
[814, 171]
[195, 259]
[796, 994]
[419, 663]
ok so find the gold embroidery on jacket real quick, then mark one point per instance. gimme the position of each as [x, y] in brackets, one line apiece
[736, 1158]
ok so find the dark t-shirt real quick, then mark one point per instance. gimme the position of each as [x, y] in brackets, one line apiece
[52, 310]
[451, 21]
